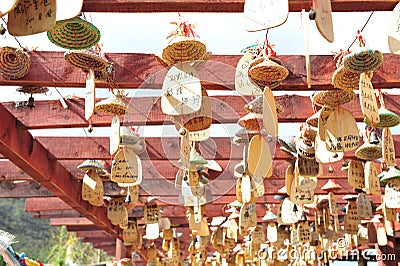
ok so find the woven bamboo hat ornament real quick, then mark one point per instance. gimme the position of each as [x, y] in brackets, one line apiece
[74, 34]
[392, 173]
[113, 105]
[256, 106]
[129, 138]
[313, 120]
[370, 150]
[183, 45]
[261, 83]
[331, 185]
[30, 89]
[346, 80]
[86, 59]
[14, 63]
[363, 60]
[251, 121]
[387, 118]
[333, 98]
[91, 165]
[266, 71]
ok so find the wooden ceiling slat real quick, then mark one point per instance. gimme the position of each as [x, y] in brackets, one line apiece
[236, 6]
[17, 144]
[147, 111]
[132, 70]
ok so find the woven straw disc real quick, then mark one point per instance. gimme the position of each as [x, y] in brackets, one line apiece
[86, 59]
[346, 80]
[33, 89]
[267, 71]
[364, 60]
[113, 105]
[184, 49]
[313, 120]
[256, 106]
[74, 34]
[251, 121]
[14, 63]
[369, 152]
[333, 97]
[386, 119]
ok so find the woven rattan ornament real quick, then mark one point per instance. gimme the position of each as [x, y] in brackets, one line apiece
[113, 105]
[333, 98]
[183, 45]
[387, 118]
[347, 80]
[369, 151]
[31, 89]
[263, 83]
[392, 173]
[132, 140]
[363, 60]
[86, 59]
[372, 185]
[14, 63]
[74, 34]
[265, 69]
[251, 121]
[91, 165]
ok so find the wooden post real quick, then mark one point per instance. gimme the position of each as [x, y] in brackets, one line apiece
[120, 250]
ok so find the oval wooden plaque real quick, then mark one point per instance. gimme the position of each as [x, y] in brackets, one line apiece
[243, 85]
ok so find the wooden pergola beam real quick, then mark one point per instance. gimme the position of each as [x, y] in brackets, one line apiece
[17, 144]
[230, 6]
[147, 111]
[137, 71]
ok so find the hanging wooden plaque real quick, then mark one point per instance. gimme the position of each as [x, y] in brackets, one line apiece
[289, 178]
[260, 157]
[372, 237]
[248, 216]
[185, 150]
[114, 135]
[31, 16]
[193, 225]
[270, 116]
[298, 196]
[332, 204]
[288, 213]
[258, 185]
[352, 213]
[369, 105]
[308, 167]
[262, 15]
[181, 91]
[388, 151]
[364, 208]
[92, 188]
[341, 131]
[307, 183]
[355, 174]
[381, 235]
[243, 85]
[7, 5]
[323, 18]
[204, 230]
[350, 227]
[258, 236]
[134, 193]
[322, 120]
[151, 213]
[195, 184]
[130, 233]
[98, 193]
[246, 189]
[116, 211]
[323, 155]
[90, 95]
[304, 232]
[272, 232]
[67, 9]
[392, 194]
[394, 32]
[126, 168]
[372, 183]
[389, 213]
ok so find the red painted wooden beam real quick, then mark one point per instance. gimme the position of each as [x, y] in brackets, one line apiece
[147, 111]
[132, 70]
[17, 144]
[220, 6]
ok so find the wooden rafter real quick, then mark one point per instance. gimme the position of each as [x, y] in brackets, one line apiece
[143, 6]
[138, 70]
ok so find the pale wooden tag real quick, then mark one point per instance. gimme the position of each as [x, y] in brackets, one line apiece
[369, 105]
[197, 211]
[286, 212]
[323, 155]
[114, 134]
[134, 193]
[352, 213]
[392, 193]
[388, 151]
[232, 229]
[181, 91]
[151, 213]
[272, 232]
[67, 9]
[243, 85]
[364, 208]
[7, 5]
[270, 116]
[304, 23]
[372, 183]
[97, 194]
[31, 17]
[294, 240]
[200, 135]
[258, 185]
[193, 225]
[258, 236]
[308, 167]
[298, 196]
[260, 158]
[355, 174]
[307, 183]
[195, 183]
[389, 213]
[130, 233]
[239, 190]
[322, 120]
[289, 178]
[246, 189]
[126, 168]
[323, 18]
[116, 211]
[248, 216]
[204, 230]
[381, 236]
[262, 15]
[304, 232]
[332, 204]
[185, 150]
[341, 131]
[90, 95]
[350, 227]
[394, 33]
